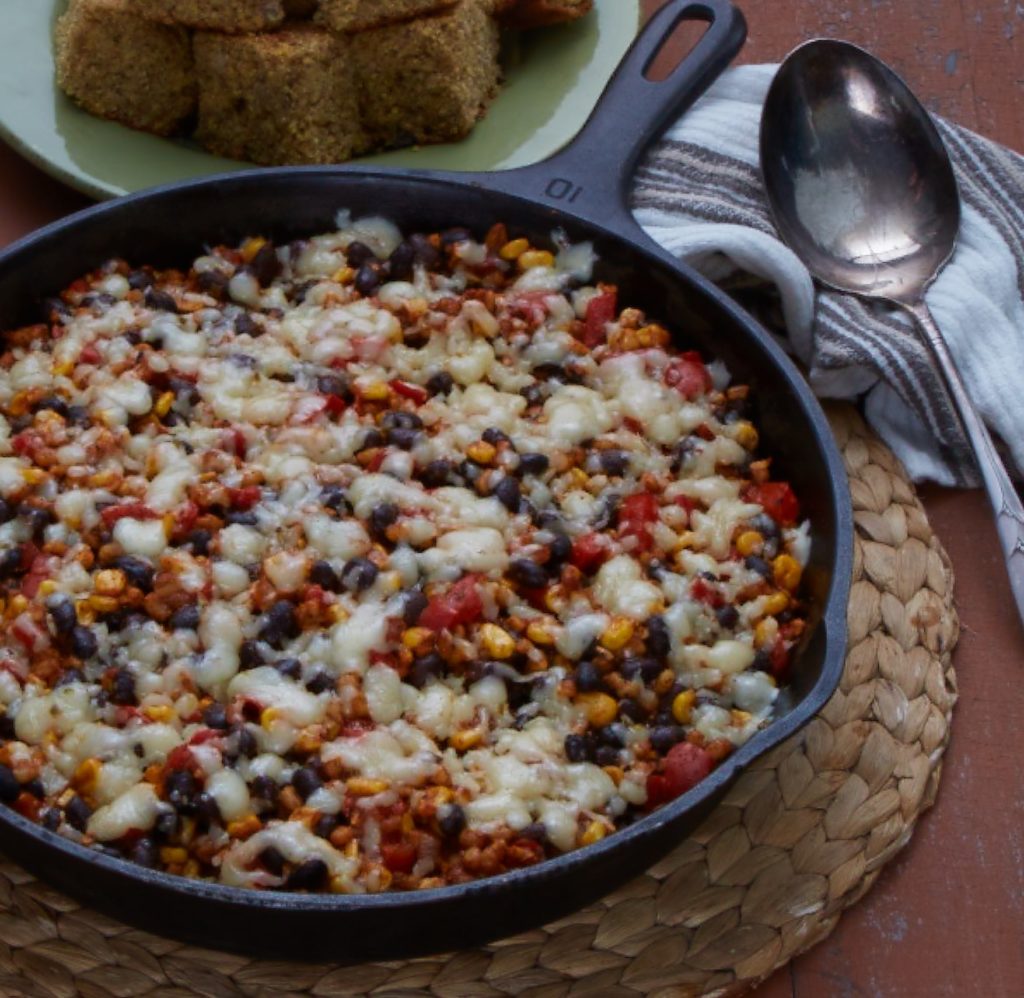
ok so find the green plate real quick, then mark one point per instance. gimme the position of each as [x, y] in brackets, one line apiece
[553, 80]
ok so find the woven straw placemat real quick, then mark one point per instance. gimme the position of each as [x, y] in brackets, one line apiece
[801, 836]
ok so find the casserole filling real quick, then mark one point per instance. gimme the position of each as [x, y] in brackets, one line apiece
[369, 562]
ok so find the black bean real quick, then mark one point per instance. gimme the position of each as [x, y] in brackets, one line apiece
[451, 820]
[630, 709]
[265, 265]
[685, 451]
[758, 565]
[658, 641]
[426, 252]
[291, 668]
[615, 734]
[368, 278]
[6, 512]
[402, 438]
[382, 516]
[615, 462]
[333, 497]
[9, 786]
[180, 786]
[321, 574]
[7, 726]
[199, 541]
[49, 818]
[160, 301]
[36, 519]
[457, 234]
[216, 716]
[306, 781]
[372, 438]
[357, 253]
[167, 824]
[246, 518]
[279, 624]
[35, 788]
[123, 692]
[762, 661]
[321, 682]
[244, 741]
[53, 403]
[533, 463]
[244, 361]
[401, 261]
[83, 642]
[207, 808]
[665, 736]
[325, 824]
[338, 385]
[185, 618]
[526, 572]
[62, 613]
[264, 788]
[727, 616]
[69, 676]
[414, 605]
[77, 813]
[139, 573]
[272, 860]
[606, 756]
[440, 383]
[214, 283]
[494, 436]
[399, 418]
[588, 677]
[145, 853]
[576, 748]
[559, 550]
[425, 668]
[308, 876]
[436, 474]
[642, 668]
[139, 280]
[608, 512]
[534, 393]
[508, 493]
[359, 574]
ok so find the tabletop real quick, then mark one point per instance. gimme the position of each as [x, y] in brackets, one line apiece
[944, 918]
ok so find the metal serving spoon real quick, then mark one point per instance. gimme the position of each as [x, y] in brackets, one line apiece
[862, 190]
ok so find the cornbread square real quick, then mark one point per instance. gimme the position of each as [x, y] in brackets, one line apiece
[427, 80]
[360, 15]
[117, 65]
[214, 15]
[285, 97]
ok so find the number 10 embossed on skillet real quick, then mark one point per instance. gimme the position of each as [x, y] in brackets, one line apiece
[583, 192]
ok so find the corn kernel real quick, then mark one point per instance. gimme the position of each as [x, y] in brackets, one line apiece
[749, 542]
[416, 638]
[376, 391]
[599, 708]
[617, 773]
[514, 249]
[268, 717]
[578, 479]
[34, 476]
[652, 335]
[745, 435]
[110, 582]
[164, 403]
[539, 633]
[775, 603]
[252, 246]
[786, 571]
[47, 588]
[441, 795]
[765, 632]
[361, 786]
[352, 849]
[344, 275]
[617, 634]
[497, 642]
[19, 604]
[535, 258]
[739, 717]
[682, 706]
[85, 613]
[594, 833]
[160, 712]
[481, 452]
[63, 369]
[337, 614]
[244, 827]
[686, 540]
[465, 739]
[86, 775]
[103, 604]
[173, 855]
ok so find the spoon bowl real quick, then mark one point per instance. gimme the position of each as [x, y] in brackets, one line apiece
[862, 189]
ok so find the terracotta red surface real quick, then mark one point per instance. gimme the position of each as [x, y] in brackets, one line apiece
[945, 918]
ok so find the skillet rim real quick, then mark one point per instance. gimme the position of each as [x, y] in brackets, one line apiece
[833, 607]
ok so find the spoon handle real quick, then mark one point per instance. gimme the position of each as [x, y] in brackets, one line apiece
[1001, 492]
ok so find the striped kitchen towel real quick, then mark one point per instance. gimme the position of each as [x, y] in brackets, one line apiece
[699, 194]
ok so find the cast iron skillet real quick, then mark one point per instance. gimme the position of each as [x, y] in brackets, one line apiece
[582, 190]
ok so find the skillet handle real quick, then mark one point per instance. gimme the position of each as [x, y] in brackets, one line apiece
[590, 178]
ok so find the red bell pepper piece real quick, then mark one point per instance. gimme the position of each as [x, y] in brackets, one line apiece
[688, 375]
[601, 310]
[778, 500]
[459, 605]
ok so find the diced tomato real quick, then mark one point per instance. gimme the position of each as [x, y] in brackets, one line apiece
[26, 443]
[529, 305]
[685, 766]
[637, 514]
[779, 658]
[205, 735]
[409, 391]
[688, 375]
[357, 728]
[778, 500]
[124, 714]
[686, 502]
[29, 633]
[377, 460]
[41, 568]
[601, 310]
[703, 593]
[334, 404]
[245, 498]
[524, 852]
[129, 511]
[590, 552]
[185, 518]
[657, 790]
[239, 443]
[179, 757]
[459, 605]
[399, 857]
[28, 805]
[90, 355]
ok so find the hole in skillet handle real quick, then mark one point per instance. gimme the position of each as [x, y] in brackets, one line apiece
[591, 176]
